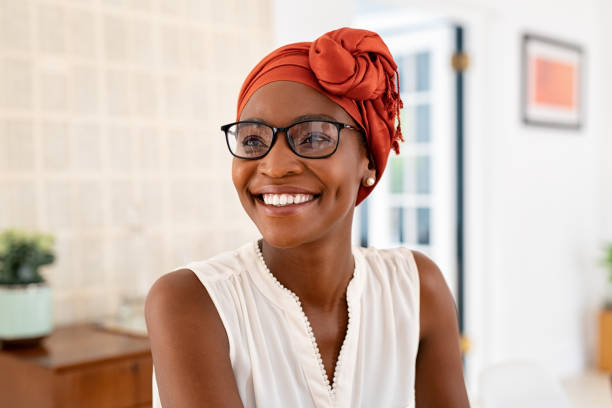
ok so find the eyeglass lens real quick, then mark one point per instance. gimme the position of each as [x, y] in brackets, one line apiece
[308, 139]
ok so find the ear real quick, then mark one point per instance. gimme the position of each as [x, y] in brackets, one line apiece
[369, 165]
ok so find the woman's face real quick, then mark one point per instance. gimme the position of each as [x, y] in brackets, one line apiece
[330, 183]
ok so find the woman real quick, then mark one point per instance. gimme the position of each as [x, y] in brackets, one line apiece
[301, 318]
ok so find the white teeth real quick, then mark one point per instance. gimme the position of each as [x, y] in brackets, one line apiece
[286, 199]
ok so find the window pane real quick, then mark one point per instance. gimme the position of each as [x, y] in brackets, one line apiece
[422, 71]
[407, 118]
[423, 184]
[397, 224]
[407, 73]
[423, 225]
[397, 174]
[423, 127]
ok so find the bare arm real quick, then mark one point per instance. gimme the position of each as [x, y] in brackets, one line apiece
[189, 345]
[439, 371]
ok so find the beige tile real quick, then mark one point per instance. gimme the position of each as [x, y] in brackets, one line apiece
[118, 101]
[56, 146]
[51, 24]
[182, 249]
[199, 10]
[151, 203]
[90, 253]
[15, 23]
[15, 83]
[120, 148]
[203, 140]
[87, 147]
[200, 90]
[172, 8]
[142, 151]
[115, 31]
[141, 5]
[189, 200]
[81, 29]
[221, 11]
[178, 149]
[58, 204]
[85, 89]
[54, 90]
[146, 98]
[129, 258]
[172, 53]
[178, 97]
[17, 150]
[141, 43]
[18, 204]
[88, 204]
[116, 3]
[148, 146]
[199, 49]
[124, 211]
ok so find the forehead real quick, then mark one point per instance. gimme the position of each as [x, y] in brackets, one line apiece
[280, 103]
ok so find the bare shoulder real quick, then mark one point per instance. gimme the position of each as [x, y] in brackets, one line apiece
[437, 303]
[439, 370]
[177, 291]
[189, 344]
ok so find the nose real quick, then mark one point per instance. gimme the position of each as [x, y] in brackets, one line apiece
[280, 160]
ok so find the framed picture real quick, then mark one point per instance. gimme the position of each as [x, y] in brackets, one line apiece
[552, 85]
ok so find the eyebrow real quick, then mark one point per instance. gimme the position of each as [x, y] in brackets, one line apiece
[311, 116]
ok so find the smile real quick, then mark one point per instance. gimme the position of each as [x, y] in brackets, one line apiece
[280, 200]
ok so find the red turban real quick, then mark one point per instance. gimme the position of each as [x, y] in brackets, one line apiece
[352, 67]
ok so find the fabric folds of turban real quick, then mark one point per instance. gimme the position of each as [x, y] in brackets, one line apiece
[355, 69]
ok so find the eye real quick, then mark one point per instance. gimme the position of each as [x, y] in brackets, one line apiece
[314, 138]
[253, 141]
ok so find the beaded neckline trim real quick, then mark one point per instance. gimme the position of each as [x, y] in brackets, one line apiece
[330, 387]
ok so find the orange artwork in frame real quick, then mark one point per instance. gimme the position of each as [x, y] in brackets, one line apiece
[552, 83]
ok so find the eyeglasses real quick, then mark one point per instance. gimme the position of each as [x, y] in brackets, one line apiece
[311, 139]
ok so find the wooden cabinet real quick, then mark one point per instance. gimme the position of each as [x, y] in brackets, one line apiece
[78, 366]
[605, 340]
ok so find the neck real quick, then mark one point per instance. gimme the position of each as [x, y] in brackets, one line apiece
[318, 272]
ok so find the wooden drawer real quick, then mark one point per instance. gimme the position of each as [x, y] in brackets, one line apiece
[125, 383]
[78, 366]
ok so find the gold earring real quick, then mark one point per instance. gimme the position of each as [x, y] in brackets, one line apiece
[370, 181]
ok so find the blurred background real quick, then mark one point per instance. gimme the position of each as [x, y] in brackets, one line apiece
[110, 142]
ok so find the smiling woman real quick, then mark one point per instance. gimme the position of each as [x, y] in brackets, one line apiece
[301, 318]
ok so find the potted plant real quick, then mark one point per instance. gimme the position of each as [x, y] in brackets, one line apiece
[25, 298]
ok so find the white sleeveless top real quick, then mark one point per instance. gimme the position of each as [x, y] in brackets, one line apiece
[272, 350]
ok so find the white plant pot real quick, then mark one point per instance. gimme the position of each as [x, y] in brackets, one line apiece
[25, 312]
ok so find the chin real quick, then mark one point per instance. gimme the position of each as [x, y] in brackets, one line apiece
[283, 239]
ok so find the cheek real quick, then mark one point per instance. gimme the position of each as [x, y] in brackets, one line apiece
[240, 175]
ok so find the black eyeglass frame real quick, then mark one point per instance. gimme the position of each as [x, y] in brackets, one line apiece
[275, 130]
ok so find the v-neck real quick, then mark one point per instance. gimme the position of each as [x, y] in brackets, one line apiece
[325, 393]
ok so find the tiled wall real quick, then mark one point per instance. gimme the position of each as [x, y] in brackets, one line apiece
[110, 140]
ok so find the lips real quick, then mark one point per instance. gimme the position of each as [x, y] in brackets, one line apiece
[274, 198]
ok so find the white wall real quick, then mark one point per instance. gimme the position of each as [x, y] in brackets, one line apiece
[536, 197]
[606, 152]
